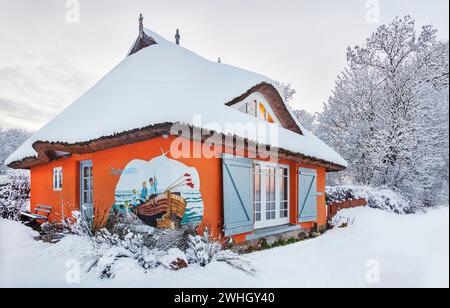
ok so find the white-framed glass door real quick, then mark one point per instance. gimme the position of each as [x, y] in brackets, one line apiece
[271, 195]
[86, 192]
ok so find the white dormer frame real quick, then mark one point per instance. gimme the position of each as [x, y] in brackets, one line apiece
[259, 98]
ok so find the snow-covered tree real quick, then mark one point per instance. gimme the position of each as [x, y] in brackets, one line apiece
[307, 119]
[287, 91]
[10, 140]
[388, 114]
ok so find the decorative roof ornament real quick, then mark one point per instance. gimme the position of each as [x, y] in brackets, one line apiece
[143, 41]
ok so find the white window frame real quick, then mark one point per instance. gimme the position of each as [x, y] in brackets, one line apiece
[278, 221]
[57, 179]
[259, 98]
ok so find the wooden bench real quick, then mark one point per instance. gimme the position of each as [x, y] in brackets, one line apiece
[41, 212]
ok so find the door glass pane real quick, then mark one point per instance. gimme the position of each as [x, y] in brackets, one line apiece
[257, 188]
[284, 198]
[258, 212]
[270, 194]
[272, 188]
[285, 188]
[257, 193]
[85, 184]
[284, 211]
[270, 185]
[85, 197]
[283, 185]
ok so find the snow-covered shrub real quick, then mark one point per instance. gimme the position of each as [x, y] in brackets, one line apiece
[134, 244]
[14, 195]
[379, 198]
[235, 260]
[77, 225]
[155, 238]
[203, 249]
[341, 221]
[111, 250]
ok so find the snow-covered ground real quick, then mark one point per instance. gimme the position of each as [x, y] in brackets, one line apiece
[377, 250]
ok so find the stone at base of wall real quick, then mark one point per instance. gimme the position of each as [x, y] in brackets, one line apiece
[262, 243]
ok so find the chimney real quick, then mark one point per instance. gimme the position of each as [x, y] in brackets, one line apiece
[141, 26]
[177, 37]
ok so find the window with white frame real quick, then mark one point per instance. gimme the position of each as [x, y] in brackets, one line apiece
[57, 178]
[257, 106]
[271, 195]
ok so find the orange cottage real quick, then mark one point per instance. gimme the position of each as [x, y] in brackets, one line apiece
[169, 138]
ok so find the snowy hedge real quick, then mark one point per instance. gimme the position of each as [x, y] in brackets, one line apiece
[14, 195]
[379, 198]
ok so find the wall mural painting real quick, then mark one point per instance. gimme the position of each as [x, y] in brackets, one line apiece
[162, 193]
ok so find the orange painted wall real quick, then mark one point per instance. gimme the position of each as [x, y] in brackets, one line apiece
[63, 202]
[104, 182]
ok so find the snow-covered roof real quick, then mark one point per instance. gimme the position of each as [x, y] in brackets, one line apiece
[166, 83]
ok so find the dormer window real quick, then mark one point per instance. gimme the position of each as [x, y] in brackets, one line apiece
[257, 106]
[249, 108]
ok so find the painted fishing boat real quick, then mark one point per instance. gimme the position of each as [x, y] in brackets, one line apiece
[167, 209]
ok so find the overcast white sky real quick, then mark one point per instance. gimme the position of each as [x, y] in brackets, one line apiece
[46, 63]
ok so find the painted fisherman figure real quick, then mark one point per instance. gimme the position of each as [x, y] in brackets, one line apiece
[153, 189]
[144, 193]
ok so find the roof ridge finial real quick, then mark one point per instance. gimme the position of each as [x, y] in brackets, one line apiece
[177, 37]
[141, 25]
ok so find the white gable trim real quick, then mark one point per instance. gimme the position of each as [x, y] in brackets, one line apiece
[259, 98]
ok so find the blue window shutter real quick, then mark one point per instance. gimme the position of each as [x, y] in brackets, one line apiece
[307, 195]
[237, 195]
